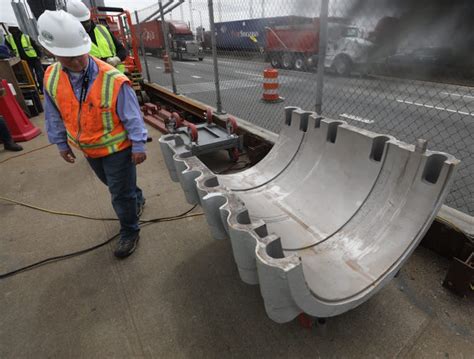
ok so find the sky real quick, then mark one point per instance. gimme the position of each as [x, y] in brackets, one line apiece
[224, 10]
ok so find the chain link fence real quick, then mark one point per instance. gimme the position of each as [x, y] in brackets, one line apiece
[391, 66]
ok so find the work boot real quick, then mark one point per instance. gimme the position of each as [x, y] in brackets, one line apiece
[12, 146]
[126, 246]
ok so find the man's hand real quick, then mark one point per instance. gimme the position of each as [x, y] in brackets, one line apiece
[138, 157]
[68, 156]
[114, 61]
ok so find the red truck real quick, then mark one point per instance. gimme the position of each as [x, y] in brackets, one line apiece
[182, 42]
[289, 46]
[296, 46]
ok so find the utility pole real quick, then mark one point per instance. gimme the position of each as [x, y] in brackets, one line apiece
[263, 9]
[200, 19]
[191, 15]
[251, 9]
[181, 11]
[219, 10]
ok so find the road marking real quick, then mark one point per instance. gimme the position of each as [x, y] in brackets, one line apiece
[456, 95]
[188, 63]
[211, 86]
[248, 73]
[226, 62]
[436, 107]
[356, 118]
[157, 67]
[176, 71]
[196, 77]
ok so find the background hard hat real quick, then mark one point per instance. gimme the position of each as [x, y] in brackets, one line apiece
[78, 9]
[62, 34]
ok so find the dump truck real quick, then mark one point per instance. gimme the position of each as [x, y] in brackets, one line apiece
[297, 46]
[182, 41]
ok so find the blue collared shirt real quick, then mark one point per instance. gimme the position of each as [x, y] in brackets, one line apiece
[128, 111]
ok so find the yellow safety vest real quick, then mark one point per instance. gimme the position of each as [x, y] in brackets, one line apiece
[105, 45]
[25, 43]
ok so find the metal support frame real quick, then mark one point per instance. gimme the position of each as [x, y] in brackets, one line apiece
[158, 12]
[219, 110]
[323, 41]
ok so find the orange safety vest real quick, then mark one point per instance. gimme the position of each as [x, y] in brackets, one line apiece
[98, 131]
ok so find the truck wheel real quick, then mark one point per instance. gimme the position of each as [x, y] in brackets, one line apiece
[287, 61]
[342, 65]
[275, 61]
[200, 58]
[300, 63]
[311, 62]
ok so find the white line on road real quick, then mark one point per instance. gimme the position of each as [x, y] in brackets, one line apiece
[435, 107]
[226, 62]
[196, 77]
[157, 67]
[356, 118]
[248, 73]
[188, 63]
[456, 95]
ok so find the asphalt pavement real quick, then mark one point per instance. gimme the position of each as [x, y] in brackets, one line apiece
[443, 114]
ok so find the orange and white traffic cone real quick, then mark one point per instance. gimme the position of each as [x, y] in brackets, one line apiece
[270, 86]
[166, 61]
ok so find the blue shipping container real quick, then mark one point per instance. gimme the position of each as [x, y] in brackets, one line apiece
[249, 34]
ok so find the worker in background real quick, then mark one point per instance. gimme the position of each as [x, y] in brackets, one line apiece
[91, 106]
[25, 48]
[4, 52]
[105, 46]
[5, 135]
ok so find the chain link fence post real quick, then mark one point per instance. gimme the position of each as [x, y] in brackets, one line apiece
[142, 46]
[167, 46]
[322, 45]
[214, 57]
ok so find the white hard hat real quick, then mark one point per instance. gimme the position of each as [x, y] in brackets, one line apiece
[62, 34]
[78, 9]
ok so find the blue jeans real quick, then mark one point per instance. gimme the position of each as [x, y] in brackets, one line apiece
[4, 132]
[119, 174]
[37, 69]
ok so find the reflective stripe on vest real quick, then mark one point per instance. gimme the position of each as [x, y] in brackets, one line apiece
[106, 139]
[25, 44]
[105, 44]
[52, 81]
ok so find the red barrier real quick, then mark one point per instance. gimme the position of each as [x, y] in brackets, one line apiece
[18, 123]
